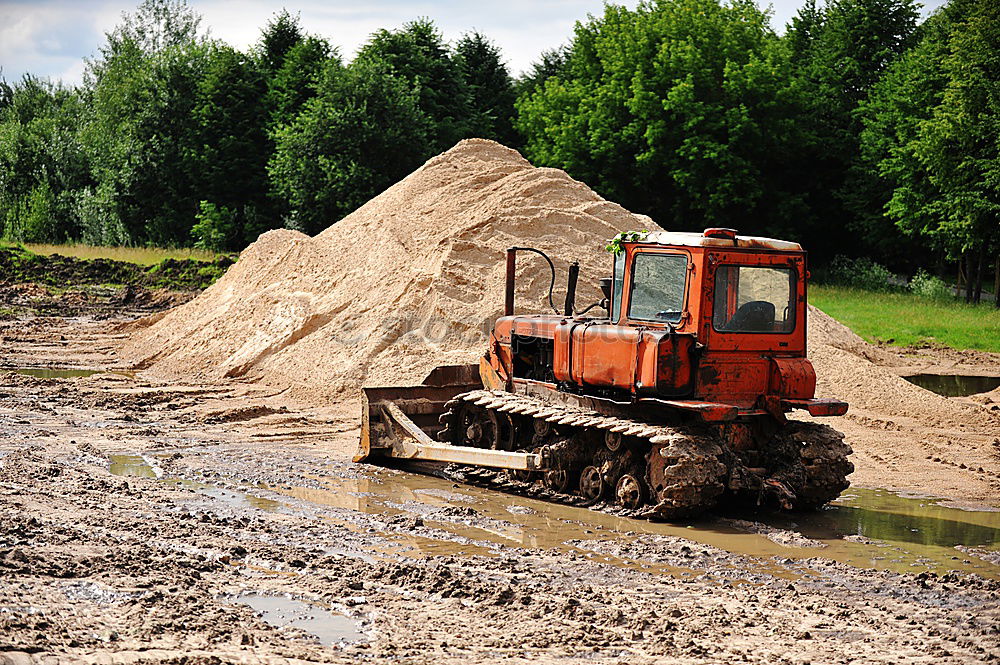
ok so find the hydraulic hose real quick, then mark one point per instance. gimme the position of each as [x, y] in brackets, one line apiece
[552, 270]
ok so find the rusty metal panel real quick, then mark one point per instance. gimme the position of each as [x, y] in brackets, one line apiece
[452, 375]
[793, 377]
[711, 412]
[790, 344]
[488, 375]
[737, 379]
[647, 360]
[604, 355]
[562, 347]
[817, 407]
[675, 365]
[543, 326]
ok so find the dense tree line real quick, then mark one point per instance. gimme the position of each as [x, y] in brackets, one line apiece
[175, 138]
[859, 130]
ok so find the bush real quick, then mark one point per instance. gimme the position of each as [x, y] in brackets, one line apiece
[860, 273]
[31, 220]
[929, 286]
[97, 217]
[216, 227]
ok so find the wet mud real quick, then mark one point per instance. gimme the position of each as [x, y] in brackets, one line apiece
[143, 521]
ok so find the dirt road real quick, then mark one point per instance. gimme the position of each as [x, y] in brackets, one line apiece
[152, 522]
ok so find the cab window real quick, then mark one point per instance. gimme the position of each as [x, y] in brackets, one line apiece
[616, 291]
[658, 283]
[754, 299]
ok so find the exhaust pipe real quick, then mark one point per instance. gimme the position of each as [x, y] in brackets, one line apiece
[508, 303]
[574, 273]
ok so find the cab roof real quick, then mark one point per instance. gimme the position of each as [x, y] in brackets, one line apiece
[719, 238]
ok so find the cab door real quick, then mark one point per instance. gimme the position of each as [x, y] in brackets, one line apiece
[755, 311]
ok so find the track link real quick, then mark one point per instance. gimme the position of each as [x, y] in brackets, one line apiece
[626, 466]
[824, 456]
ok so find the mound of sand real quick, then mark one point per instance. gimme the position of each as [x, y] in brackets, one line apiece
[849, 368]
[411, 280]
[414, 279]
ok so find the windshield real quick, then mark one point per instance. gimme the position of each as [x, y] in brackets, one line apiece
[754, 299]
[658, 282]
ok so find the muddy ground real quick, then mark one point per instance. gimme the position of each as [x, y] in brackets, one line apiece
[152, 522]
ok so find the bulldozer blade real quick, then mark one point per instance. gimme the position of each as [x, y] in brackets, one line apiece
[423, 405]
[400, 423]
[411, 443]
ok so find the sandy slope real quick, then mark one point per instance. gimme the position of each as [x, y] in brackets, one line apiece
[413, 279]
[905, 437]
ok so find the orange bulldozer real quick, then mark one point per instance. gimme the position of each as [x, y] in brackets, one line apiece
[673, 402]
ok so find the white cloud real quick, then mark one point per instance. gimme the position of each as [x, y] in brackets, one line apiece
[52, 37]
[522, 29]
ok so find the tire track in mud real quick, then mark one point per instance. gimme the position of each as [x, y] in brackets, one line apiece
[99, 566]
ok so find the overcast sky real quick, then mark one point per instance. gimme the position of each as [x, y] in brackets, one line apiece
[52, 37]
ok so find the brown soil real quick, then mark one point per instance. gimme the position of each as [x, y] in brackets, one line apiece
[256, 496]
[245, 414]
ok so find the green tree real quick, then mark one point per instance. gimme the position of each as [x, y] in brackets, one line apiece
[803, 30]
[143, 130]
[552, 62]
[419, 55]
[362, 132]
[145, 138]
[216, 228]
[681, 109]
[291, 62]
[6, 94]
[281, 34]
[294, 82]
[839, 53]
[234, 147]
[42, 165]
[491, 88]
[932, 128]
[155, 26]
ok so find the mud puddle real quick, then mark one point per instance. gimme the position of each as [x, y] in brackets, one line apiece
[864, 528]
[955, 385]
[147, 467]
[328, 626]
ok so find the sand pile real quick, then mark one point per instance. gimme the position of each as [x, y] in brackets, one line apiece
[848, 368]
[411, 280]
[414, 279]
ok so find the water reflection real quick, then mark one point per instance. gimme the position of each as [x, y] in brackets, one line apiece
[882, 530]
[955, 385]
[328, 626]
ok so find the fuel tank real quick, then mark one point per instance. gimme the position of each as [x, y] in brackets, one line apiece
[649, 362]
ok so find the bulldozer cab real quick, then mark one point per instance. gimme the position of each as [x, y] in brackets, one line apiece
[734, 293]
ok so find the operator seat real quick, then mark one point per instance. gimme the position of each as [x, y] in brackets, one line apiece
[754, 316]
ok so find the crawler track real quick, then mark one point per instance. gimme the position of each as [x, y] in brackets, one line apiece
[639, 469]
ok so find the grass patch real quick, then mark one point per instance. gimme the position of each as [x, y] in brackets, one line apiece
[59, 271]
[905, 319]
[143, 256]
